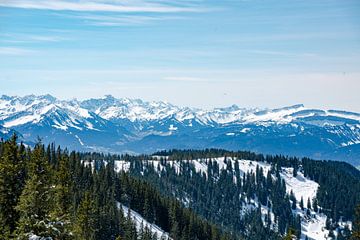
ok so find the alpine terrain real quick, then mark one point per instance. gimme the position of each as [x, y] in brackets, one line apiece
[134, 126]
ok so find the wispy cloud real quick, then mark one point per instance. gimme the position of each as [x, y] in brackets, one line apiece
[186, 79]
[282, 53]
[104, 5]
[40, 38]
[25, 38]
[122, 20]
[13, 51]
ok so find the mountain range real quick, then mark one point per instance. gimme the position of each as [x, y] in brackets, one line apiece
[115, 125]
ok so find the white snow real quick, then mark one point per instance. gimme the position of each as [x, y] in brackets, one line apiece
[172, 128]
[301, 186]
[245, 130]
[200, 166]
[314, 227]
[21, 121]
[121, 165]
[16, 111]
[141, 222]
[34, 109]
[35, 237]
[80, 111]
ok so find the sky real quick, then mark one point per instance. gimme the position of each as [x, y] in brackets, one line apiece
[198, 53]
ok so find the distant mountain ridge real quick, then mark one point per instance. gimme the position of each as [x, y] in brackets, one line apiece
[131, 125]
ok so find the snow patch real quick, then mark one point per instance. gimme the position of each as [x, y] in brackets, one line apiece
[245, 130]
[172, 128]
[22, 120]
[140, 222]
[300, 185]
[120, 165]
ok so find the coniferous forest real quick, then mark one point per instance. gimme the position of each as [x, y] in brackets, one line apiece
[47, 192]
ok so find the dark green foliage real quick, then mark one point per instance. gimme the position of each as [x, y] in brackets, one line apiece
[34, 204]
[315, 205]
[52, 193]
[12, 180]
[293, 200]
[302, 203]
[356, 227]
[214, 194]
[85, 223]
[164, 212]
[339, 181]
[339, 189]
[217, 197]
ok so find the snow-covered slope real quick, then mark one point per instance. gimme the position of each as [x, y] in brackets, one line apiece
[63, 122]
[313, 224]
[34, 107]
[141, 223]
[132, 125]
[17, 111]
[138, 110]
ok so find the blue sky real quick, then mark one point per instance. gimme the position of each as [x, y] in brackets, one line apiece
[200, 53]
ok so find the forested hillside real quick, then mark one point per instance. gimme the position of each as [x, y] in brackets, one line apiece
[50, 193]
[281, 192]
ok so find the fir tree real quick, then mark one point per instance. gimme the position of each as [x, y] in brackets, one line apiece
[293, 199]
[60, 212]
[302, 203]
[315, 205]
[85, 223]
[34, 204]
[12, 175]
[308, 205]
[356, 225]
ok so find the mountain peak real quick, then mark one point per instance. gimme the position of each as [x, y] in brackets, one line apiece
[6, 97]
[116, 124]
[48, 97]
[109, 97]
[137, 110]
[292, 107]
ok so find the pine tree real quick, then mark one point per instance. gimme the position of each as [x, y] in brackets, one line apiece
[356, 225]
[62, 201]
[331, 234]
[302, 203]
[11, 184]
[60, 213]
[130, 229]
[290, 234]
[85, 223]
[346, 233]
[147, 234]
[315, 205]
[293, 199]
[308, 205]
[34, 204]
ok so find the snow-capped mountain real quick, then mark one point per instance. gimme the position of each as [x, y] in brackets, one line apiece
[58, 121]
[132, 125]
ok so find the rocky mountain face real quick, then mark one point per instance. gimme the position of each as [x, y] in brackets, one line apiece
[131, 125]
